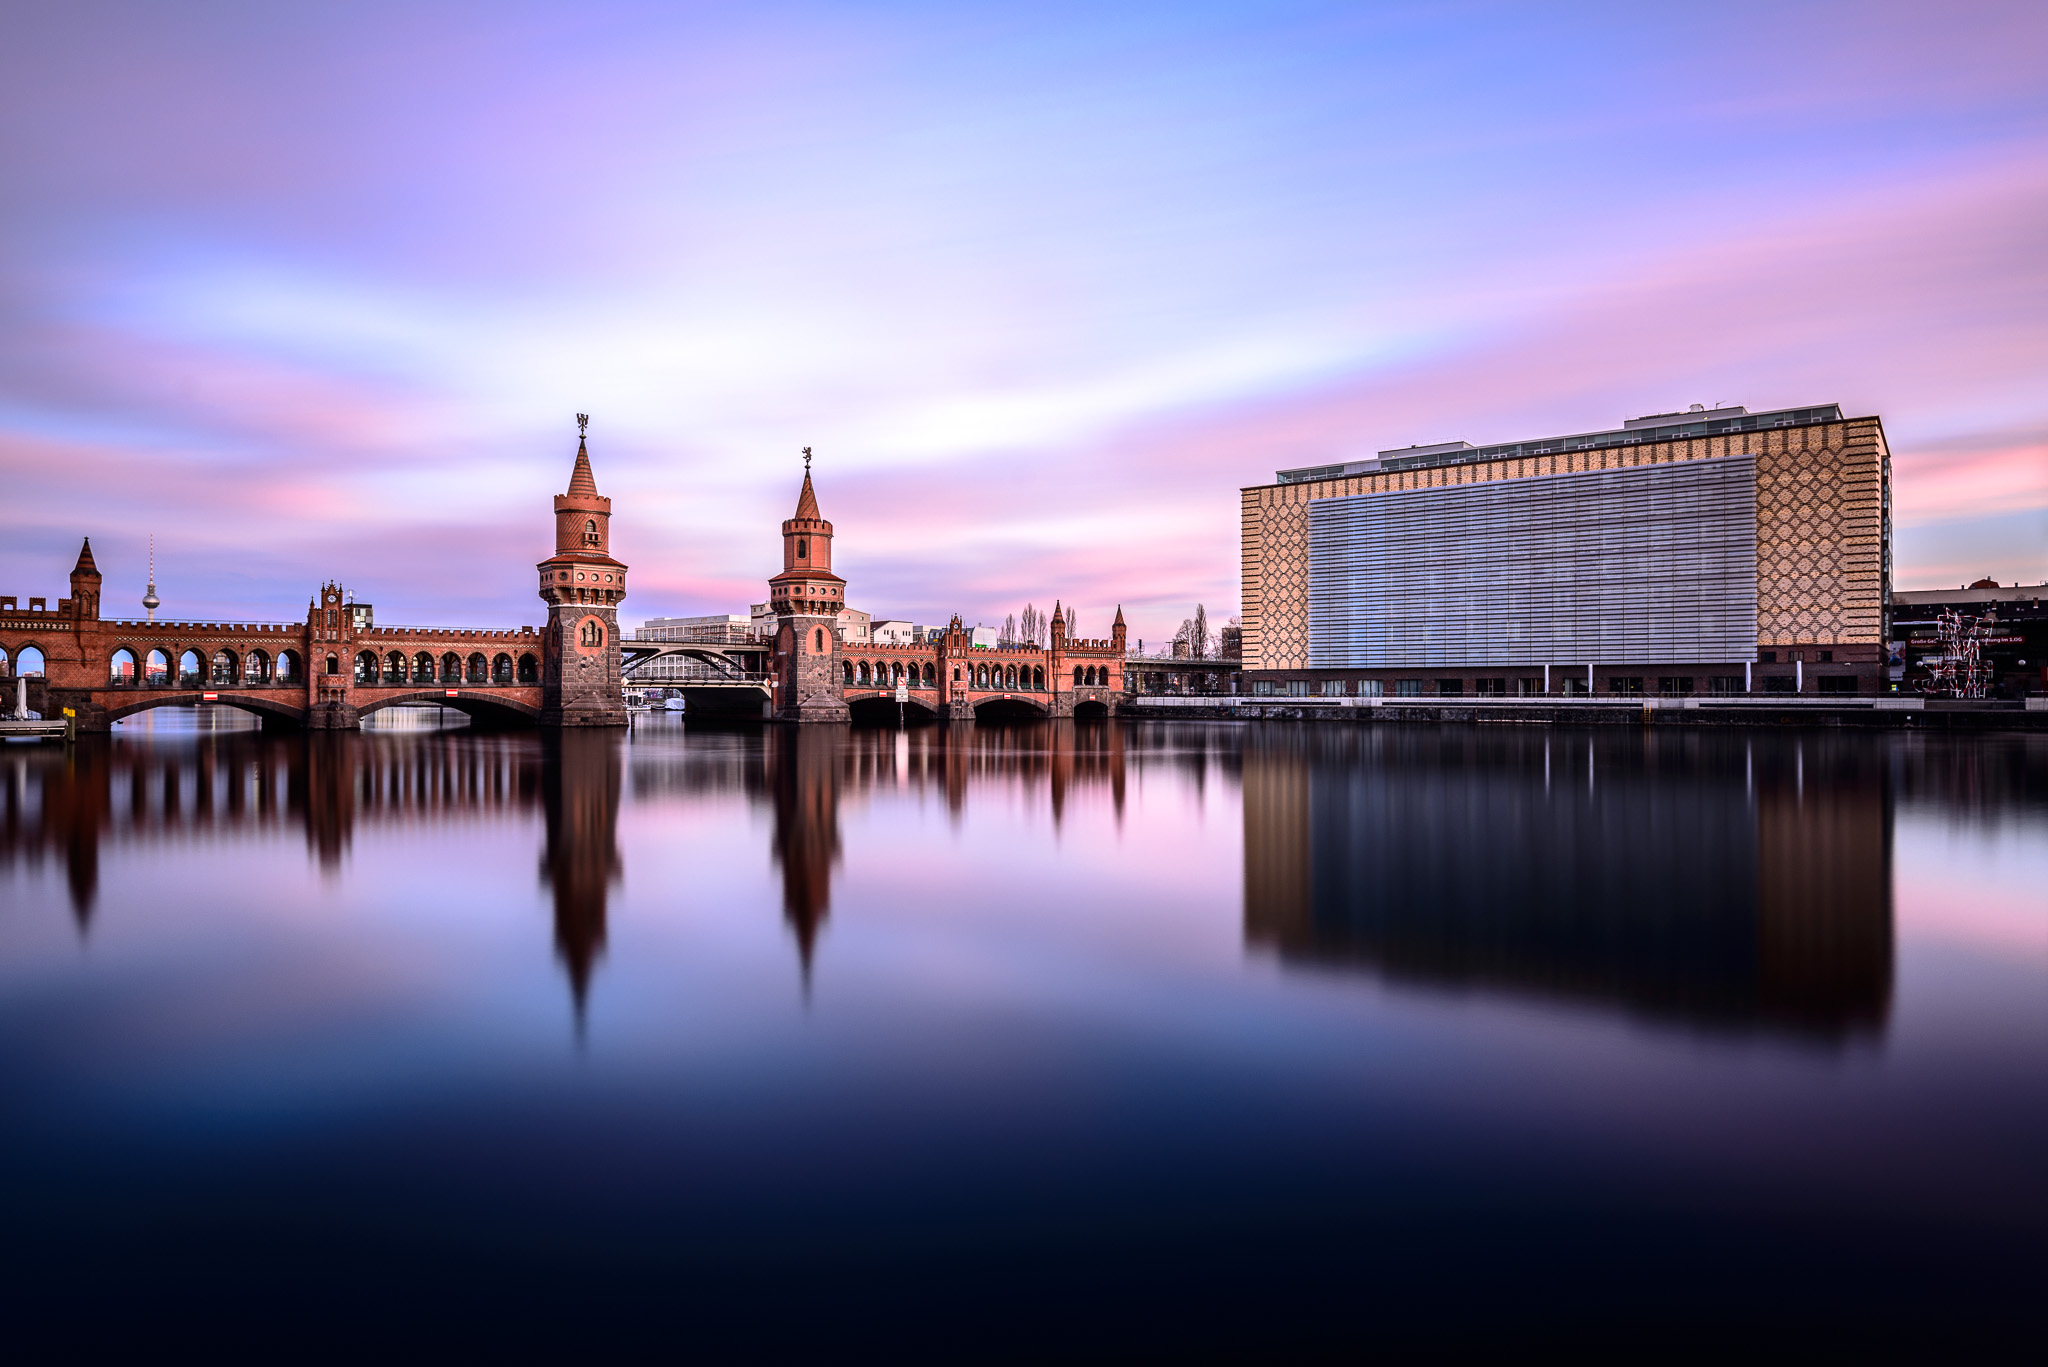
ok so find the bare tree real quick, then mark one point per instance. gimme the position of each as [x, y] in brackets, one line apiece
[1201, 637]
[1009, 637]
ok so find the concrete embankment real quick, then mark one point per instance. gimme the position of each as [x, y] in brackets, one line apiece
[1889, 714]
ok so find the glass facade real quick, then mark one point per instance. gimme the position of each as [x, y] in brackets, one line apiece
[1649, 563]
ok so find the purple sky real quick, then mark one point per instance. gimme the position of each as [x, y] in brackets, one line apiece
[316, 290]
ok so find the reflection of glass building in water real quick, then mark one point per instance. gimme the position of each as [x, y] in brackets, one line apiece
[1712, 879]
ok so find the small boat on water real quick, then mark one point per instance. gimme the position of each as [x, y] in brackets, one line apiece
[674, 704]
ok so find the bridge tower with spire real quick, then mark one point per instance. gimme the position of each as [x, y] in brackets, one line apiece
[806, 598]
[582, 584]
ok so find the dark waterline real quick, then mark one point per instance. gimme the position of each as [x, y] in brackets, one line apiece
[1261, 1039]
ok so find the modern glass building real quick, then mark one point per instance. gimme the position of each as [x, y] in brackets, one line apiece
[1713, 551]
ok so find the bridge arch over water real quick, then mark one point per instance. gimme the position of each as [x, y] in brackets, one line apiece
[274, 709]
[1010, 709]
[881, 707]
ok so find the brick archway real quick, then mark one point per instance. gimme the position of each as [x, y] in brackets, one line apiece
[270, 709]
[483, 707]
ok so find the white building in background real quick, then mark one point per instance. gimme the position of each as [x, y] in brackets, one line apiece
[721, 629]
[895, 633]
[855, 626]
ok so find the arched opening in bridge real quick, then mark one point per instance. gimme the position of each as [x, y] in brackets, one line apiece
[223, 674]
[256, 668]
[4, 670]
[529, 669]
[847, 665]
[1038, 678]
[189, 718]
[394, 668]
[156, 670]
[883, 711]
[423, 668]
[28, 662]
[1008, 709]
[289, 670]
[501, 669]
[451, 668]
[189, 667]
[483, 711]
[930, 678]
[479, 669]
[1090, 711]
[366, 668]
[121, 669]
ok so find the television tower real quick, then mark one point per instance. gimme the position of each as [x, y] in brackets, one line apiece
[150, 601]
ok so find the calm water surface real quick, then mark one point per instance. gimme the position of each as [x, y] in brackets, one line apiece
[984, 1040]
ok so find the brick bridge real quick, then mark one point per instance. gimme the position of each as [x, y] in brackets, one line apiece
[337, 665]
[808, 673]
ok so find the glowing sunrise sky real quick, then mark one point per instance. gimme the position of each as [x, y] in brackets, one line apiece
[315, 290]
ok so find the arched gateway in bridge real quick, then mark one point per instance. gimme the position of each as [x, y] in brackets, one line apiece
[338, 665]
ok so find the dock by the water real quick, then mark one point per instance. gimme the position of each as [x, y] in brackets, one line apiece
[35, 730]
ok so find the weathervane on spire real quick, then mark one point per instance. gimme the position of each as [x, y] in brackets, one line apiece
[807, 460]
[582, 421]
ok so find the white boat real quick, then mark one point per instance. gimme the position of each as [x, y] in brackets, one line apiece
[674, 704]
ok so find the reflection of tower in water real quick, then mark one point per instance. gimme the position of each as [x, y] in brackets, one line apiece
[580, 803]
[1710, 877]
[803, 780]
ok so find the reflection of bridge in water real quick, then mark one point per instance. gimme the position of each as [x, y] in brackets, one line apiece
[1713, 878]
[331, 786]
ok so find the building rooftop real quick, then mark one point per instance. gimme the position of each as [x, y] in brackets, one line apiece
[1698, 422]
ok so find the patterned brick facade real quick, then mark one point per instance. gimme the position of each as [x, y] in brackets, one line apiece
[1823, 532]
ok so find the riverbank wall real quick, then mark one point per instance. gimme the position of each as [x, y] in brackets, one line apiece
[1889, 714]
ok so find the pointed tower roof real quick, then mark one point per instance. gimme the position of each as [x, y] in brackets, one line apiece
[1119, 614]
[85, 563]
[1057, 615]
[807, 501]
[581, 481]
